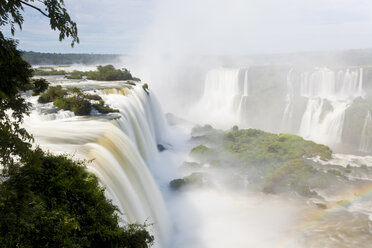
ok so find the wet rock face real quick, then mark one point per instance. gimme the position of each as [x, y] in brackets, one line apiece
[161, 147]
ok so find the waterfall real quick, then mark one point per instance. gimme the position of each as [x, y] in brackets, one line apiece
[312, 106]
[241, 115]
[142, 119]
[245, 89]
[221, 89]
[286, 123]
[119, 150]
[365, 140]
[225, 96]
[329, 94]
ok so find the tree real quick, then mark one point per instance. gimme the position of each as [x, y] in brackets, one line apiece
[15, 75]
[10, 13]
[47, 200]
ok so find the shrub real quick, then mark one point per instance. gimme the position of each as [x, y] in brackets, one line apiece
[104, 109]
[39, 85]
[53, 93]
[52, 201]
[78, 105]
[94, 97]
[76, 75]
[52, 72]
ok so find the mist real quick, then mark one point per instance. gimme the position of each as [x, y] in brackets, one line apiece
[184, 39]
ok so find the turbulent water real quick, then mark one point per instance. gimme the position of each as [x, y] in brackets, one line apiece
[120, 149]
[228, 210]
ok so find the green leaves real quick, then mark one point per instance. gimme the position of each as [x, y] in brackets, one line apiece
[11, 13]
[53, 202]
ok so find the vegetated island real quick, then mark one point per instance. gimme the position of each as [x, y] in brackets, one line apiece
[103, 73]
[267, 162]
[75, 100]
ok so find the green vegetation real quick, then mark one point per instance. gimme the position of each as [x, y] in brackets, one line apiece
[94, 97]
[76, 75]
[195, 179]
[104, 109]
[76, 104]
[202, 153]
[36, 58]
[37, 86]
[103, 73]
[278, 163]
[53, 93]
[145, 87]
[47, 200]
[52, 72]
[255, 146]
[52, 201]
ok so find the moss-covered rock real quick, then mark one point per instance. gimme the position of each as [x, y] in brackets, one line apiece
[194, 180]
[202, 153]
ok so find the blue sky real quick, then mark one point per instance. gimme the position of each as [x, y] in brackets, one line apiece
[206, 26]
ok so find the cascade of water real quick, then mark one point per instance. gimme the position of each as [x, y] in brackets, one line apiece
[329, 94]
[286, 124]
[326, 83]
[246, 90]
[221, 87]
[221, 94]
[119, 149]
[121, 168]
[142, 119]
[241, 114]
[365, 140]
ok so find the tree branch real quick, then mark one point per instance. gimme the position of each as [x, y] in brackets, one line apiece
[34, 7]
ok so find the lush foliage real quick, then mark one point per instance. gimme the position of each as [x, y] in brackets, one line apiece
[53, 93]
[76, 75]
[276, 162]
[256, 146]
[76, 104]
[53, 202]
[10, 14]
[15, 76]
[75, 100]
[104, 109]
[52, 72]
[103, 73]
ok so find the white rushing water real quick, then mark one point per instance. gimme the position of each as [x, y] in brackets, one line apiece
[329, 94]
[120, 149]
[286, 124]
[225, 96]
[365, 140]
[326, 94]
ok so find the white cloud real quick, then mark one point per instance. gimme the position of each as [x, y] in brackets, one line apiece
[207, 26]
[247, 26]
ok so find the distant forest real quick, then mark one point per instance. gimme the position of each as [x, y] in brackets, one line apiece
[36, 58]
[357, 57]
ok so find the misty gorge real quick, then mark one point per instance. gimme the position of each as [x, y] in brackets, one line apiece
[217, 124]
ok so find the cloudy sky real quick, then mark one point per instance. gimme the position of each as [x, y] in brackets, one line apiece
[206, 26]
